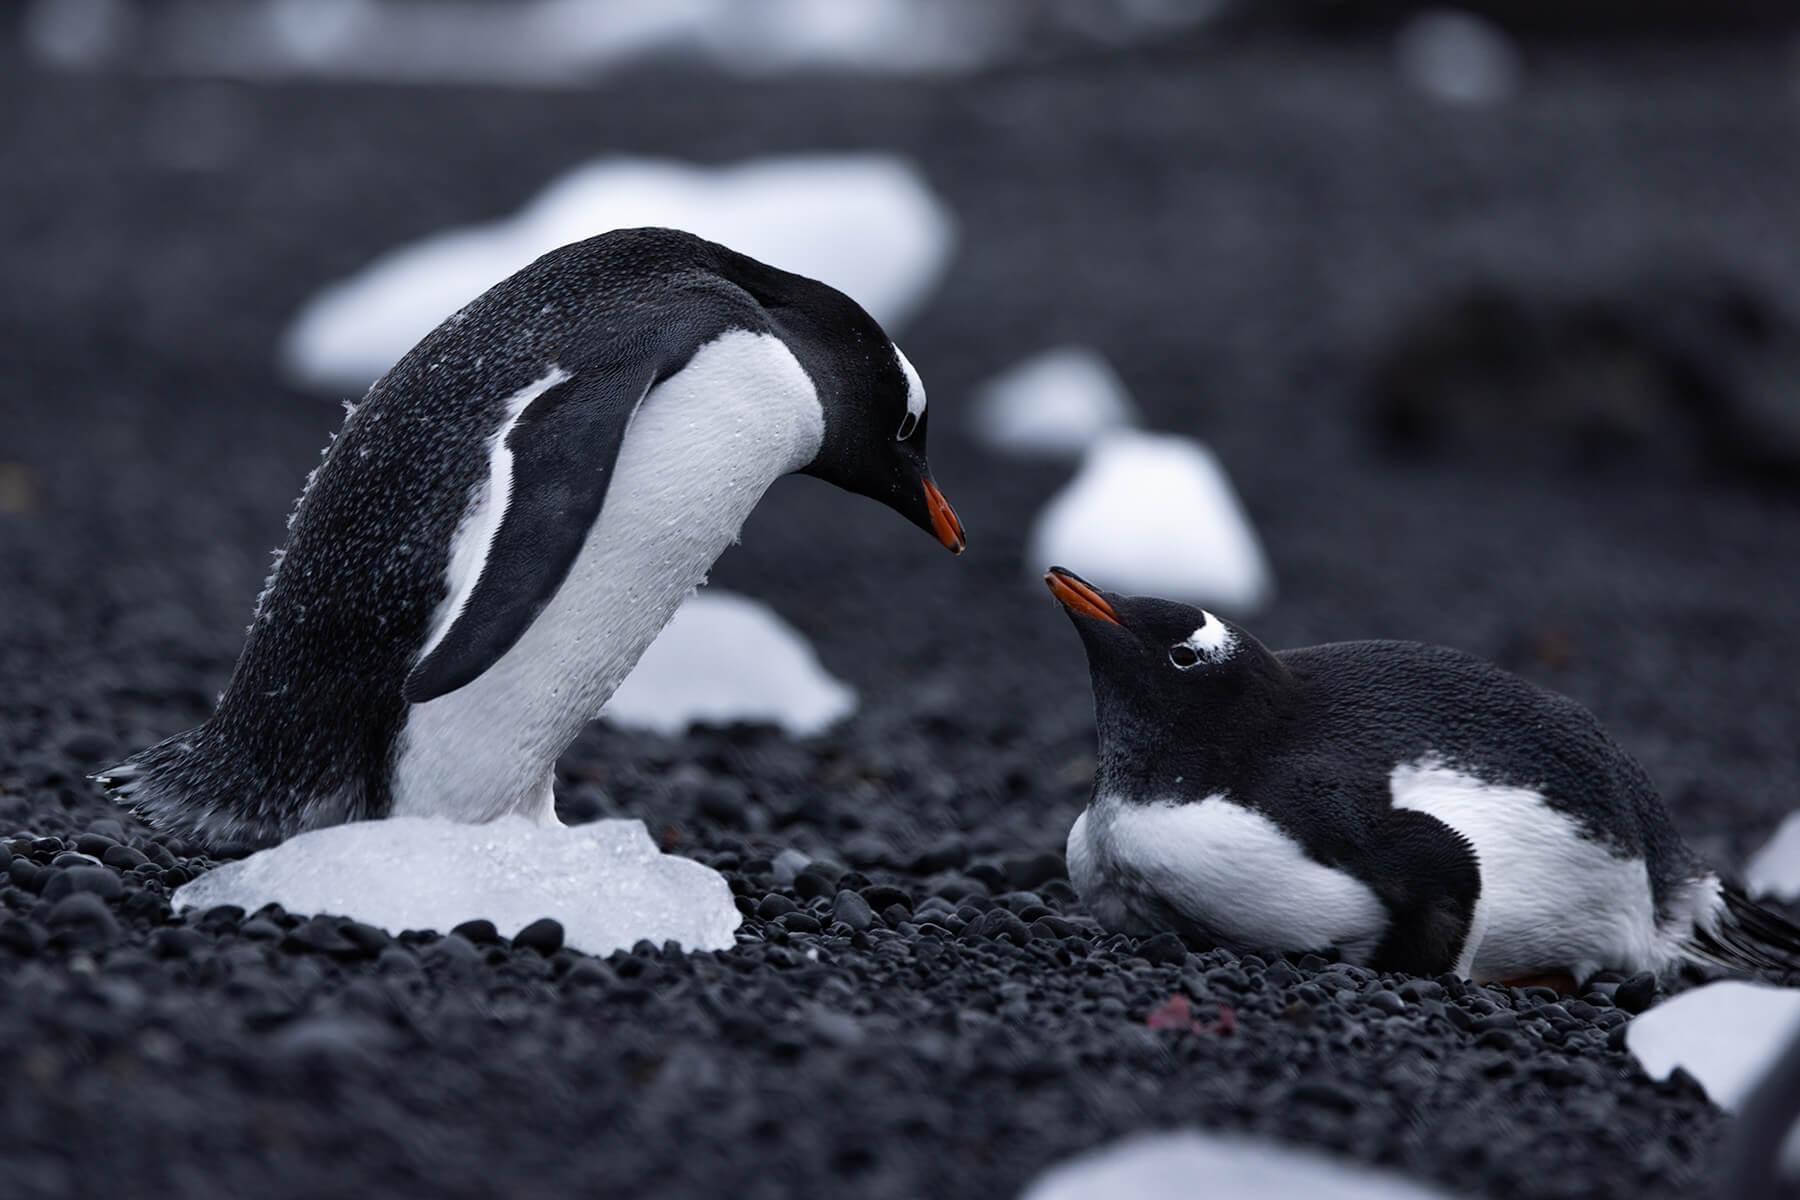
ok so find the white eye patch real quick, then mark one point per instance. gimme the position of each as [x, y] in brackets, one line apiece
[1213, 642]
[915, 397]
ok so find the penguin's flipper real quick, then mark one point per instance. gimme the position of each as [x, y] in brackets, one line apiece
[1429, 877]
[564, 446]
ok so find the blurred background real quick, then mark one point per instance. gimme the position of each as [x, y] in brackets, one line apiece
[1470, 325]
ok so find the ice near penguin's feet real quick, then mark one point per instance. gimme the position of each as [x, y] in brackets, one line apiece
[606, 882]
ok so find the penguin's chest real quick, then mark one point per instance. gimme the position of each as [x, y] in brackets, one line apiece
[1217, 869]
[699, 454]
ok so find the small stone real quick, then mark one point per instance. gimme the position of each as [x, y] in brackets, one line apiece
[123, 858]
[21, 936]
[177, 941]
[1229, 978]
[545, 935]
[1165, 949]
[94, 844]
[96, 880]
[1495, 1039]
[854, 911]
[260, 929]
[881, 897]
[368, 940]
[86, 916]
[774, 905]
[1388, 1002]
[1499, 1020]
[319, 935]
[817, 880]
[479, 932]
[799, 922]
[1636, 993]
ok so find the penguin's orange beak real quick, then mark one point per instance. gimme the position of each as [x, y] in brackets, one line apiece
[1075, 595]
[949, 530]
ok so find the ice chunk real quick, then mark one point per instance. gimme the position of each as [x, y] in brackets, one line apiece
[1154, 514]
[1187, 1163]
[1725, 1035]
[606, 882]
[865, 223]
[1458, 57]
[727, 658]
[1774, 871]
[1056, 404]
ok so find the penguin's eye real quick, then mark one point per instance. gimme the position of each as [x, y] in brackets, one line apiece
[1182, 656]
[908, 423]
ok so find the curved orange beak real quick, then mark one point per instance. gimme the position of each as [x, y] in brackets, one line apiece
[949, 530]
[1075, 595]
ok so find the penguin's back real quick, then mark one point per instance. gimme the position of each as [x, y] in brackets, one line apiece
[1390, 718]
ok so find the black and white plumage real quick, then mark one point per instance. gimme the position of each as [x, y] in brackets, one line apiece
[512, 514]
[1409, 806]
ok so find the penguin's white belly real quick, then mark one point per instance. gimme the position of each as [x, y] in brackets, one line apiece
[702, 449]
[1224, 868]
[1552, 899]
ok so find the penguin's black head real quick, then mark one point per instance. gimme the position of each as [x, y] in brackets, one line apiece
[874, 404]
[1159, 665]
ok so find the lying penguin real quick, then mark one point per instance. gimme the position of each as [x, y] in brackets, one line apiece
[1411, 807]
[510, 517]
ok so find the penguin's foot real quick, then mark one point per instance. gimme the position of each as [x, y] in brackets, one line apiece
[1561, 984]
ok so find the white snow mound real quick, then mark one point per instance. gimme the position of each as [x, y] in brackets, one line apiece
[1055, 404]
[1186, 1164]
[1724, 1034]
[606, 882]
[726, 658]
[865, 223]
[1154, 514]
[1774, 871]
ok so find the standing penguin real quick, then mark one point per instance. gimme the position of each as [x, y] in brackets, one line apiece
[1412, 807]
[511, 516]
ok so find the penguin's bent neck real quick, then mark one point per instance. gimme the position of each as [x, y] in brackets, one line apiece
[702, 449]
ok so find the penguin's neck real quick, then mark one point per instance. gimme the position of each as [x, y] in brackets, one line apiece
[703, 448]
[1153, 748]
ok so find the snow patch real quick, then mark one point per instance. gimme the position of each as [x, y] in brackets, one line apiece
[1726, 1035]
[726, 658]
[606, 882]
[1184, 1164]
[1154, 514]
[1458, 57]
[564, 43]
[1055, 404]
[1774, 871]
[867, 224]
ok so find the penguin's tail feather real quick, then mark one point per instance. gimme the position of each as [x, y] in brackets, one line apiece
[196, 786]
[1743, 936]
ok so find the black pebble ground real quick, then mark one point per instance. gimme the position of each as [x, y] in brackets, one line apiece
[917, 1005]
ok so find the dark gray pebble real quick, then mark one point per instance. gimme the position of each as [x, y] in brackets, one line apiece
[85, 915]
[1636, 993]
[95, 880]
[545, 935]
[774, 905]
[479, 932]
[853, 910]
